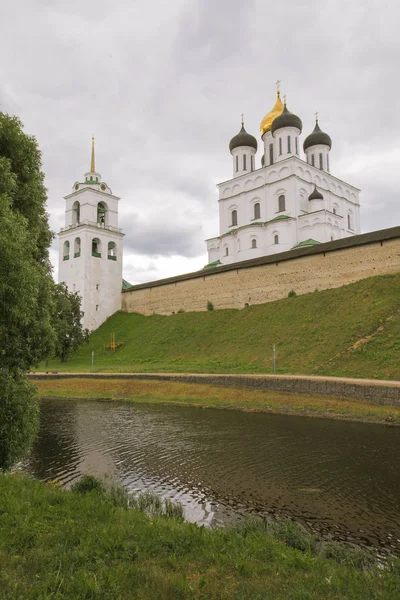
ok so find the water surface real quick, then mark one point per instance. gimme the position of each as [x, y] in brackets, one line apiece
[341, 478]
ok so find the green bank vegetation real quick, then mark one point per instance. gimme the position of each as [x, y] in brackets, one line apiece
[212, 396]
[350, 331]
[69, 545]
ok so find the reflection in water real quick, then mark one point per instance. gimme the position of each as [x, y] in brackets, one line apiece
[341, 478]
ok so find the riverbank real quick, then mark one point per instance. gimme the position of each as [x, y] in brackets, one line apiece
[216, 396]
[63, 545]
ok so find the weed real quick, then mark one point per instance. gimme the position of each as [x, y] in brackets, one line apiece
[87, 484]
[210, 305]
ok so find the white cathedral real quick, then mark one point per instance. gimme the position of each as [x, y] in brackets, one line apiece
[290, 202]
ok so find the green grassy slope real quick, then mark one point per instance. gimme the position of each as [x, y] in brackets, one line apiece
[313, 334]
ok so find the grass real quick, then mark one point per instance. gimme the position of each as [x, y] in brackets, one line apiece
[65, 545]
[349, 331]
[212, 396]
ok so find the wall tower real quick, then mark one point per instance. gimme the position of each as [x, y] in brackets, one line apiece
[91, 247]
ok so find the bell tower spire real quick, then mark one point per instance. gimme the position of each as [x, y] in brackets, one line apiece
[92, 162]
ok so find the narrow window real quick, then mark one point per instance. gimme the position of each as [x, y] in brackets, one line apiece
[271, 154]
[97, 178]
[281, 203]
[321, 164]
[254, 243]
[66, 251]
[226, 251]
[331, 238]
[327, 162]
[244, 163]
[96, 248]
[276, 239]
[77, 247]
[296, 143]
[237, 163]
[289, 144]
[334, 210]
[252, 163]
[313, 160]
[234, 217]
[101, 213]
[76, 215]
[257, 213]
[97, 307]
[280, 145]
[348, 222]
[112, 251]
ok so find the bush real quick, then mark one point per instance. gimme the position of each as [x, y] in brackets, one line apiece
[292, 294]
[286, 531]
[19, 417]
[210, 305]
[350, 556]
[88, 483]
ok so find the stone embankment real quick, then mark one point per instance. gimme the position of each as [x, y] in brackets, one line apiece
[369, 390]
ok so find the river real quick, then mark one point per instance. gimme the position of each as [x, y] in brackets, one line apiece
[341, 478]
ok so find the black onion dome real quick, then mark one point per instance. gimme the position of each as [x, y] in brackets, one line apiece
[315, 194]
[286, 119]
[317, 137]
[243, 139]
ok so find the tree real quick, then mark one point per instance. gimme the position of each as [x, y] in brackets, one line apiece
[26, 302]
[67, 322]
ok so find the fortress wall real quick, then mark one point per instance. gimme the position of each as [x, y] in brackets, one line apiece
[271, 278]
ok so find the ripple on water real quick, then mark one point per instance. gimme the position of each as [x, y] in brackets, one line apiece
[339, 477]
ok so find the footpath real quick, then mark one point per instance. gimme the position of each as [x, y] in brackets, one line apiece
[371, 390]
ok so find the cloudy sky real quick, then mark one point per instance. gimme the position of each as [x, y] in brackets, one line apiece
[162, 85]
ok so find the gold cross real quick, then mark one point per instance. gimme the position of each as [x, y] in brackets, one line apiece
[242, 115]
[316, 116]
[278, 85]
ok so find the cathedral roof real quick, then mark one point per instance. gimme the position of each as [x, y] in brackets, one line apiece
[315, 194]
[317, 137]
[243, 139]
[309, 242]
[286, 119]
[267, 121]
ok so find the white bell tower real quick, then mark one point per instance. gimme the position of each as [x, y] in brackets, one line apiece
[91, 248]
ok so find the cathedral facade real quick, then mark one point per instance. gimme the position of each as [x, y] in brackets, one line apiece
[290, 202]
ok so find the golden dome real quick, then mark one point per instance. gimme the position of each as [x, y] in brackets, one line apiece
[271, 116]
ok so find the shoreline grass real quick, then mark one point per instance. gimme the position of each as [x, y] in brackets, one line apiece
[218, 397]
[65, 545]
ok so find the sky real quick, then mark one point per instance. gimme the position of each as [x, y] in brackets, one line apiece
[162, 85]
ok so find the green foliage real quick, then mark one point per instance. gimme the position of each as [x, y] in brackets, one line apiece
[65, 545]
[210, 305]
[292, 294]
[314, 335]
[67, 322]
[19, 417]
[87, 484]
[26, 334]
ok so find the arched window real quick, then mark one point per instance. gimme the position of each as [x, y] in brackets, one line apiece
[252, 163]
[289, 144]
[296, 143]
[257, 213]
[226, 251]
[281, 203]
[66, 251]
[77, 247]
[234, 217]
[112, 251]
[237, 163]
[321, 163]
[313, 160]
[96, 247]
[276, 239]
[254, 243]
[271, 154]
[102, 213]
[280, 145]
[334, 210]
[244, 162]
[349, 222]
[76, 213]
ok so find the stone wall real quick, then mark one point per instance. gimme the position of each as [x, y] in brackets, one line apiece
[270, 278]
